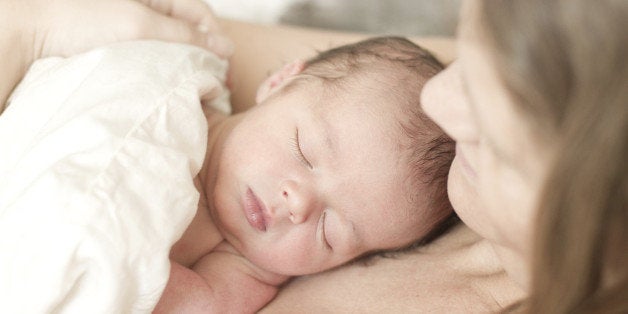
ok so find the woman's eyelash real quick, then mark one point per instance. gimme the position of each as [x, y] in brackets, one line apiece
[296, 148]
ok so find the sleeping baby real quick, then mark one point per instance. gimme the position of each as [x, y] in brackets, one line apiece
[120, 192]
[336, 161]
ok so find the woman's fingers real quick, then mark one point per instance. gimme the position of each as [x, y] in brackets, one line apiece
[190, 21]
[193, 11]
[67, 27]
[172, 29]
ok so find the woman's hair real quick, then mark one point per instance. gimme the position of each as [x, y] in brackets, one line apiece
[565, 65]
[400, 68]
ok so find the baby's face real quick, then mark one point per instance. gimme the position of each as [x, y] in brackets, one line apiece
[307, 183]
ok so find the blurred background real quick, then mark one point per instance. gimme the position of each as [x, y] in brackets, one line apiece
[398, 17]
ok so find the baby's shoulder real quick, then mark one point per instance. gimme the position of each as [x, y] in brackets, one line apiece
[199, 239]
[241, 287]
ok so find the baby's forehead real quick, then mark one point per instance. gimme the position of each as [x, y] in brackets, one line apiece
[351, 116]
[362, 98]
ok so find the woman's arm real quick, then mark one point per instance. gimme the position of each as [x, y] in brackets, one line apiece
[261, 49]
[40, 28]
[15, 55]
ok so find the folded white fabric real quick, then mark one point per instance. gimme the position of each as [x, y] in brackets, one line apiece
[97, 158]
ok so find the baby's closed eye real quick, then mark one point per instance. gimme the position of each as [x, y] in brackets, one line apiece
[296, 149]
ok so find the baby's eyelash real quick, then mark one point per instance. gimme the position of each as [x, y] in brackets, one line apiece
[296, 148]
[324, 236]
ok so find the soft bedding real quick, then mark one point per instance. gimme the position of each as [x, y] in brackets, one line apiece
[97, 158]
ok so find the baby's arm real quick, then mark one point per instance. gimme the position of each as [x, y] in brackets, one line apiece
[222, 281]
[186, 292]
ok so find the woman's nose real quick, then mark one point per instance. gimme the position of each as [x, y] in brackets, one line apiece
[445, 101]
[299, 200]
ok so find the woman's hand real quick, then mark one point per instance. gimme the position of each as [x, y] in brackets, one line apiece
[33, 29]
[67, 27]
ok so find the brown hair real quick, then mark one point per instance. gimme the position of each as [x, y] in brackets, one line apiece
[401, 68]
[564, 64]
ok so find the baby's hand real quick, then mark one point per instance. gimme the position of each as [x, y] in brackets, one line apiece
[67, 27]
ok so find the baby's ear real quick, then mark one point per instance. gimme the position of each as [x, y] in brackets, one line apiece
[275, 81]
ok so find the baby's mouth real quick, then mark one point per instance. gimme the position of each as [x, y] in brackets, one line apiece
[254, 211]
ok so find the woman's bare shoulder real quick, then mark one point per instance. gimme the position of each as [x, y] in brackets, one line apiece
[456, 273]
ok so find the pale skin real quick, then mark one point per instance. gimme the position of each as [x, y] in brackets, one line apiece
[21, 43]
[294, 152]
[494, 186]
[491, 163]
[36, 29]
[458, 273]
[262, 49]
[460, 270]
[497, 266]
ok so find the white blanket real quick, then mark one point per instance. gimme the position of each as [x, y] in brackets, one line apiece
[97, 157]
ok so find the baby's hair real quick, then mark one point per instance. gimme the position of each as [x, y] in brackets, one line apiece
[400, 69]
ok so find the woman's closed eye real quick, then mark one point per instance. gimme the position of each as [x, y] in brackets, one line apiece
[296, 149]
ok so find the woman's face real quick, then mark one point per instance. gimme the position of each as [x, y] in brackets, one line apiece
[499, 167]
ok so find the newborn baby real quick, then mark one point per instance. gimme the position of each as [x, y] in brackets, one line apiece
[336, 161]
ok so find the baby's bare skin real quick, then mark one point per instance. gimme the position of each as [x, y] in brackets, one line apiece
[283, 184]
[199, 238]
[208, 274]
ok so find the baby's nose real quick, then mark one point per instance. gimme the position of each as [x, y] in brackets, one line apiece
[300, 201]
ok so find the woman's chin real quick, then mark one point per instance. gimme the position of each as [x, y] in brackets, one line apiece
[463, 196]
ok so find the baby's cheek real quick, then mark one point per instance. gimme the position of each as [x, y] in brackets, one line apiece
[293, 255]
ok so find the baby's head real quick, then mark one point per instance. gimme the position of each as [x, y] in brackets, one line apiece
[336, 161]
